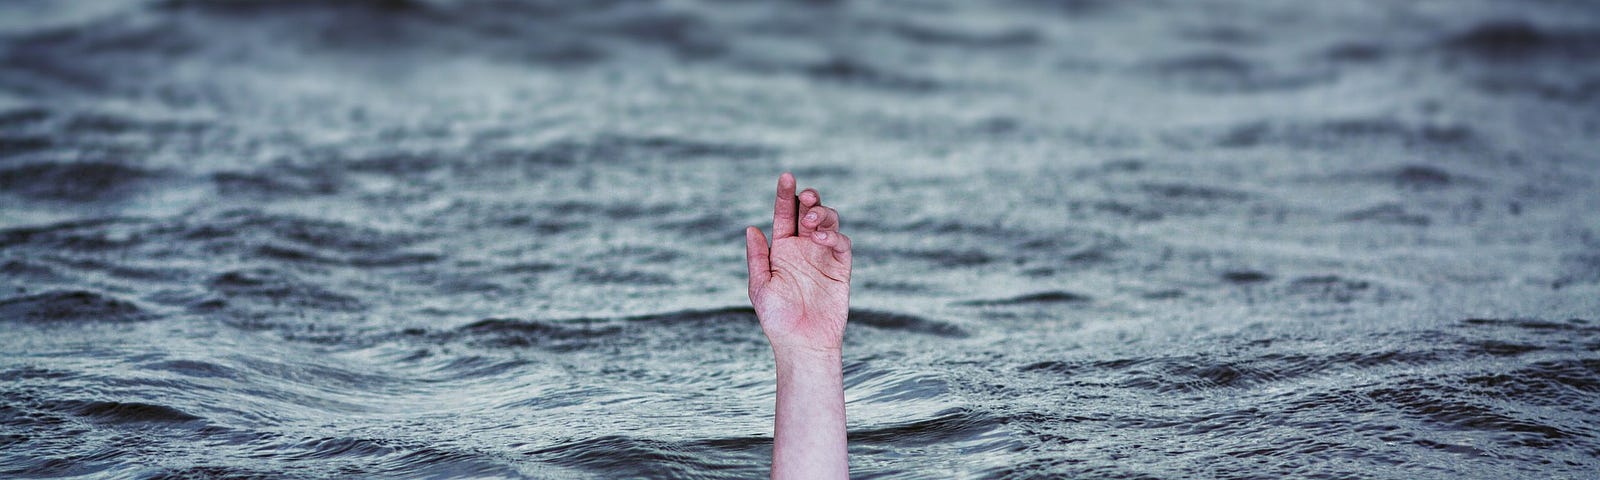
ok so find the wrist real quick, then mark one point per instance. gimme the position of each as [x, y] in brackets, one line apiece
[804, 360]
[807, 356]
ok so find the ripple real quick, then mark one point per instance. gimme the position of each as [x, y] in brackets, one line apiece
[1324, 133]
[626, 148]
[1514, 39]
[1222, 72]
[1336, 289]
[1189, 191]
[17, 145]
[75, 181]
[620, 277]
[1576, 325]
[1356, 52]
[851, 71]
[951, 425]
[1038, 298]
[878, 385]
[210, 471]
[623, 456]
[386, 243]
[23, 117]
[195, 369]
[894, 321]
[1196, 374]
[945, 35]
[335, 447]
[1556, 383]
[1427, 402]
[309, 232]
[1414, 177]
[558, 336]
[279, 182]
[1422, 176]
[131, 413]
[1387, 213]
[1578, 268]
[728, 326]
[1184, 375]
[70, 306]
[1245, 277]
[950, 258]
[269, 287]
[29, 272]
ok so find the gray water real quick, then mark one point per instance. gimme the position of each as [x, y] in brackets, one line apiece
[1100, 239]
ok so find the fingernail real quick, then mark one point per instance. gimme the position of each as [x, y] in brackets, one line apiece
[819, 235]
[811, 216]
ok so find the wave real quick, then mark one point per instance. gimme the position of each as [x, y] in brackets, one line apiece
[895, 321]
[1546, 381]
[1336, 289]
[1370, 130]
[1387, 213]
[700, 325]
[951, 425]
[59, 306]
[76, 181]
[277, 182]
[391, 238]
[129, 412]
[1193, 374]
[542, 33]
[1517, 39]
[1220, 72]
[618, 148]
[275, 289]
[17, 145]
[1245, 277]
[19, 117]
[919, 33]
[624, 456]
[1578, 268]
[1411, 177]
[558, 336]
[853, 71]
[1038, 298]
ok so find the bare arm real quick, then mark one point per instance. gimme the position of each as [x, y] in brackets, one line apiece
[800, 286]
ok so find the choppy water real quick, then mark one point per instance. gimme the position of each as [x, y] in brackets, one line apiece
[1094, 238]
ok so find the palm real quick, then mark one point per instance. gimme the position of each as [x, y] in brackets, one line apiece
[800, 286]
[807, 299]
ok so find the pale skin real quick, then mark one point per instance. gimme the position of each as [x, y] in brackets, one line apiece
[800, 286]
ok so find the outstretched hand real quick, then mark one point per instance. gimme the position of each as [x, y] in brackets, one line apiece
[800, 285]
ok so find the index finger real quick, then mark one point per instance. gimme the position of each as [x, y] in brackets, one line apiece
[784, 208]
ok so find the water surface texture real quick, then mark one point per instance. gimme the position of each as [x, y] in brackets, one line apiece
[1095, 238]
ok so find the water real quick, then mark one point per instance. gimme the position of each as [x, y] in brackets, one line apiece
[1094, 239]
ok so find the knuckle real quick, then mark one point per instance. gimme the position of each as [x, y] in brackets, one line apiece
[832, 218]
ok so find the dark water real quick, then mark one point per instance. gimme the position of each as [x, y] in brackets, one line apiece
[1095, 238]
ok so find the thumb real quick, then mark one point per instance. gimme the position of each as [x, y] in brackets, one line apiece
[755, 255]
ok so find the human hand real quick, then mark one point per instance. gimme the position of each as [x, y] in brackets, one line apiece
[800, 286]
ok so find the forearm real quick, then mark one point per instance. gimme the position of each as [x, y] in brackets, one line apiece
[809, 433]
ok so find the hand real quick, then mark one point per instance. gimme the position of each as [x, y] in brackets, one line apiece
[800, 286]
[801, 289]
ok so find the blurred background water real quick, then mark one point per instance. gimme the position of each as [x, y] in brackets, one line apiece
[1104, 239]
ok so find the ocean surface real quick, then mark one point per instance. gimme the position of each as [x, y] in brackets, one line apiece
[1094, 238]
